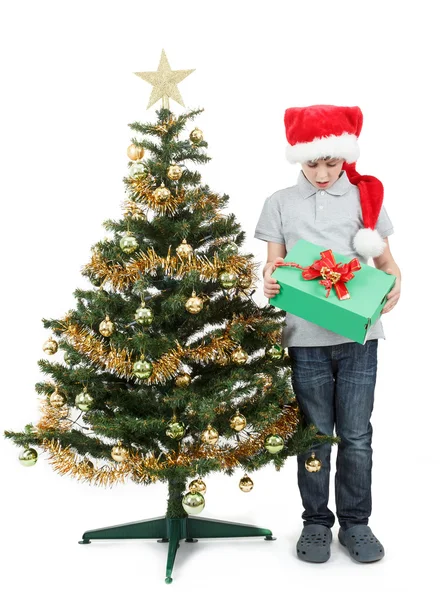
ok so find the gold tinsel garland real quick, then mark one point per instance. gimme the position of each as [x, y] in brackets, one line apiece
[165, 368]
[140, 468]
[122, 276]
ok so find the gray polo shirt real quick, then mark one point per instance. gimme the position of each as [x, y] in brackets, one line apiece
[330, 218]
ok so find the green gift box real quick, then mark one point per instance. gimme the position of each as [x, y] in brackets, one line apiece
[352, 317]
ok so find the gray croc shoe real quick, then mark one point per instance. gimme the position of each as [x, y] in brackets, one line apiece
[314, 543]
[361, 543]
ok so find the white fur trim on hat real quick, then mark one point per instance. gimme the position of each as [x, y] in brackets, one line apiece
[336, 146]
[368, 242]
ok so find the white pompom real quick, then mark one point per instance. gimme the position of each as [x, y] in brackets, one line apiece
[368, 242]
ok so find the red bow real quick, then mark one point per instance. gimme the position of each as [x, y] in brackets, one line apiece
[333, 274]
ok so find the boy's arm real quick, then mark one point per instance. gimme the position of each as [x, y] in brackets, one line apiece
[274, 251]
[385, 262]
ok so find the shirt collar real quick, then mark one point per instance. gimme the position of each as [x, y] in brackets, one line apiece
[340, 187]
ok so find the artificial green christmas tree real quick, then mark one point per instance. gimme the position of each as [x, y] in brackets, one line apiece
[170, 370]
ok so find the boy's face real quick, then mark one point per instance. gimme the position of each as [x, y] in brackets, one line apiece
[323, 173]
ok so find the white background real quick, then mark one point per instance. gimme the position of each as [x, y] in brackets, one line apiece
[68, 93]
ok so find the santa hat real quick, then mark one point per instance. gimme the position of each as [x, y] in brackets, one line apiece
[315, 132]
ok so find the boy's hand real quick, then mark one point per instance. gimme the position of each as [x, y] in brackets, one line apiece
[394, 295]
[271, 287]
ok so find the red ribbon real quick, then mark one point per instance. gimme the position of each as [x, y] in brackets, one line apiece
[333, 274]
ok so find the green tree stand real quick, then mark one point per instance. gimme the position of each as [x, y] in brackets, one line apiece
[175, 526]
[174, 530]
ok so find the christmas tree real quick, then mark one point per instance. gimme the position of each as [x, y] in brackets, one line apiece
[170, 369]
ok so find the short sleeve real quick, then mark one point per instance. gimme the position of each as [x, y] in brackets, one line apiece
[384, 225]
[269, 226]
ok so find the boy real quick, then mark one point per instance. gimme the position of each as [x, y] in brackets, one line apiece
[333, 377]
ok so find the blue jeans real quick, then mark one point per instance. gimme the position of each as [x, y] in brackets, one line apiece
[334, 387]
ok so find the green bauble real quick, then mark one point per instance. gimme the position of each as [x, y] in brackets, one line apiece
[193, 503]
[175, 430]
[84, 401]
[28, 457]
[144, 315]
[227, 280]
[275, 352]
[274, 443]
[128, 243]
[142, 368]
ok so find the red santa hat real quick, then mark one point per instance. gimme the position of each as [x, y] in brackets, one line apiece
[315, 132]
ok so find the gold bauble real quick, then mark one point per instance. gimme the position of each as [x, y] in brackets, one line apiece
[84, 401]
[184, 250]
[246, 484]
[161, 194]
[193, 503]
[274, 443]
[194, 304]
[119, 453]
[227, 280]
[128, 243]
[196, 135]
[238, 421]
[229, 248]
[50, 346]
[142, 368]
[135, 152]
[275, 352]
[174, 172]
[197, 485]
[106, 327]
[244, 281]
[210, 436]
[144, 315]
[313, 464]
[56, 399]
[239, 356]
[183, 380]
[28, 457]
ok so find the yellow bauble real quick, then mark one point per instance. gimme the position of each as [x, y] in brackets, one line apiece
[50, 346]
[194, 304]
[246, 484]
[274, 443]
[135, 152]
[161, 194]
[193, 503]
[106, 327]
[239, 356]
[197, 485]
[128, 243]
[56, 399]
[174, 172]
[142, 368]
[84, 401]
[238, 421]
[28, 457]
[119, 453]
[183, 380]
[196, 135]
[313, 464]
[210, 436]
[136, 169]
[144, 315]
[227, 280]
[184, 250]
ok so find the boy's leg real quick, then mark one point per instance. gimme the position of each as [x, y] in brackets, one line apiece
[354, 398]
[313, 382]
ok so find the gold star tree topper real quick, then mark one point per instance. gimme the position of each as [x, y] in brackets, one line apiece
[164, 82]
